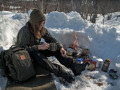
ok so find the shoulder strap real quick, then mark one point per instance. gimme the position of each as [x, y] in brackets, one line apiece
[2, 59]
[14, 49]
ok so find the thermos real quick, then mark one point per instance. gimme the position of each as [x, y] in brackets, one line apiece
[99, 63]
[106, 65]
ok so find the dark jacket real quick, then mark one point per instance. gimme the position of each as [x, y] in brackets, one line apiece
[27, 40]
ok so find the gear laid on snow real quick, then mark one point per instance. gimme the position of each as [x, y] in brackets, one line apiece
[92, 65]
[106, 65]
[113, 74]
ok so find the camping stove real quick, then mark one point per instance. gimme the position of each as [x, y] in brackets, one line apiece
[71, 52]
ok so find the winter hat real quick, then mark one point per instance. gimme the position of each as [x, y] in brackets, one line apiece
[36, 16]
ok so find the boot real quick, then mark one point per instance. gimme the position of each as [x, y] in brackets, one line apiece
[67, 77]
[64, 75]
[67, 81]
[77, 68]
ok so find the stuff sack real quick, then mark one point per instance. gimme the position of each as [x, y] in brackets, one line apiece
[92, 65]
[17, 64]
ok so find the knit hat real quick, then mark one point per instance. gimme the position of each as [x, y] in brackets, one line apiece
[36, 16]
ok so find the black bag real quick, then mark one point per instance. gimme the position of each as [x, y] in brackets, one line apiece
[18, 64]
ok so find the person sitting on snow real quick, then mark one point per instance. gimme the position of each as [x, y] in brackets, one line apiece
[30, 36]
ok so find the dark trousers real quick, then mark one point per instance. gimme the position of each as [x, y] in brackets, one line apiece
[41, 58]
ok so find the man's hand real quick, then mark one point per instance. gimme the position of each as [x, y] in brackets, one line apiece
[43, 46]
[63, 52]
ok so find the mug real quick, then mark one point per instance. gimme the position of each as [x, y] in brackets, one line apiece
[53, 47]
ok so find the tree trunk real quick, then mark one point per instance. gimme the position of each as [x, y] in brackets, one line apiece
[42, 6]
[95, 12]
[46, 4]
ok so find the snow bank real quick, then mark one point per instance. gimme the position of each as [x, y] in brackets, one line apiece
[10, 24]
[71, 20]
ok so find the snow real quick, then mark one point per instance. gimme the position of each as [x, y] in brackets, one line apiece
[103, 41]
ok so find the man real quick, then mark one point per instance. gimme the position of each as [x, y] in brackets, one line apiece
[30, 36]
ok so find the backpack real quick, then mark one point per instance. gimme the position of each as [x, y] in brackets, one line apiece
[17, 64]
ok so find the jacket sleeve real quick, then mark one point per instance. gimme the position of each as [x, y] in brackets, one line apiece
[23, 40]
[49, 39]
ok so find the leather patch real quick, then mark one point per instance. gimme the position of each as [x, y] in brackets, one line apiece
[22, 57]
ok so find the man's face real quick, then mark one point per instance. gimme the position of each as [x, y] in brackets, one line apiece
[40, 25]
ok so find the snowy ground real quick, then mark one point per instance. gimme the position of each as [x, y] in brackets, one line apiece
[103, 41]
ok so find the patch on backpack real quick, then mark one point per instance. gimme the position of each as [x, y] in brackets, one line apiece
[22, 57]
